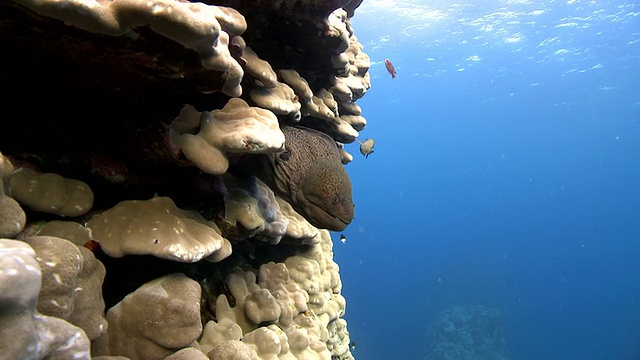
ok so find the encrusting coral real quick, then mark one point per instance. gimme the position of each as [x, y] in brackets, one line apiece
[299, 229]
[275, 311]
[24, 332]
[280, 99]
[12, 217]
[50, 193]
[71, 283]
[249, 202]
[236, 128]
[176, 132]
[170, 303]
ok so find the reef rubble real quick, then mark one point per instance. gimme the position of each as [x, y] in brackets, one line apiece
[131, 226]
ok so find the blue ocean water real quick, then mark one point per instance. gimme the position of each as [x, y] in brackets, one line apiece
[506, 174]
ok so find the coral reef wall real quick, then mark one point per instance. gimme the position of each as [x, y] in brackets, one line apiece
[169, 171]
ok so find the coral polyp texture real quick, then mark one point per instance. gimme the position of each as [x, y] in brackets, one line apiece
[171, 174]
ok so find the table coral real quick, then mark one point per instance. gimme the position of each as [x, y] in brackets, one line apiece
[156, 227]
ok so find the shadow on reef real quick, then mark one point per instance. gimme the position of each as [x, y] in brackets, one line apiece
[126, 274]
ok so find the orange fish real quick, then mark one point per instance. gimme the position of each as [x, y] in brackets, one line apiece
[92, 245]
[390, 68]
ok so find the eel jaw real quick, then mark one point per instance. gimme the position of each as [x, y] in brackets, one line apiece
[322, 218]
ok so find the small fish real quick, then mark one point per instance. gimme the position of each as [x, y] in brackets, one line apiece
[343, 238]
[92, 245]
[352, 345]
[366, 147]
[390, 68]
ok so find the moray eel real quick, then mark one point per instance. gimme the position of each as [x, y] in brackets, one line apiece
[309, 175]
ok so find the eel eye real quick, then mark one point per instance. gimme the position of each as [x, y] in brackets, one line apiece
[335, 200]
[285, 155]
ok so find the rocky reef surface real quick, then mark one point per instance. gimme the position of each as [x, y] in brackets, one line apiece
[152, 203]
[467, 332]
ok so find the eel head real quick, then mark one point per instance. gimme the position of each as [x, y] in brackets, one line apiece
[326, 196]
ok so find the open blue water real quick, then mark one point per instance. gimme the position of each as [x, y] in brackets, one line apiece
[506, 174]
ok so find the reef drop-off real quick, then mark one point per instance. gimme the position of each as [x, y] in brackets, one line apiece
[128, 228]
